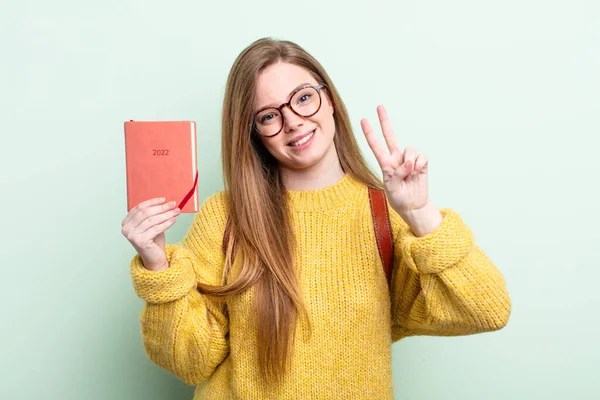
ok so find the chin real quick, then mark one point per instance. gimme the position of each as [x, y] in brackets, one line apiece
[306, 162]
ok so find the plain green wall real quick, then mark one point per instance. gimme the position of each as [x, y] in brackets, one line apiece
[502, 97]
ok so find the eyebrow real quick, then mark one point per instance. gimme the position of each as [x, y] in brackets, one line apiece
[293, 90]
[298, 87]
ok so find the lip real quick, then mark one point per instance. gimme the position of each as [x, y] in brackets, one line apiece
[308, 143]
[299, 137]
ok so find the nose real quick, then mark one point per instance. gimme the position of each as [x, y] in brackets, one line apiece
[292, 121]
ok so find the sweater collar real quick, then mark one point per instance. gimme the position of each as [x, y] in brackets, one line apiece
[346, 190]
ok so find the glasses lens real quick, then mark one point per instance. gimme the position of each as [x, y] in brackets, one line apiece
[268, 122]
[306, 102]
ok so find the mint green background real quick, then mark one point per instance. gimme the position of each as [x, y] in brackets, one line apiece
[502, 97]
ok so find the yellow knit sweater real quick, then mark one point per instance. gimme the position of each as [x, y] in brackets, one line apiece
[442, 284]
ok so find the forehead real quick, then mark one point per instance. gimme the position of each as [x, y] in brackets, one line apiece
[274, 83]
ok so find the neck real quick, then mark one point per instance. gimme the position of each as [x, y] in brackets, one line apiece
[324, 173]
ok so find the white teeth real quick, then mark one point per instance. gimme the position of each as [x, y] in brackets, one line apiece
[303, 140]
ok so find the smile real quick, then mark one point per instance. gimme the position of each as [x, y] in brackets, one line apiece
[303, 140]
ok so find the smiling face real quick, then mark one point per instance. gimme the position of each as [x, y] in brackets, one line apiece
[274, 86]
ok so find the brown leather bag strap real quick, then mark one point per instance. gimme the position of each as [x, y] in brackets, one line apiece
[381, 224]
[383, 230]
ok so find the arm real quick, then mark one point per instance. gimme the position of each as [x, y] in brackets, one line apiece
[184, 331]
[443, 284]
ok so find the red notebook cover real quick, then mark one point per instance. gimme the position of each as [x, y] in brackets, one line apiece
[161, 161]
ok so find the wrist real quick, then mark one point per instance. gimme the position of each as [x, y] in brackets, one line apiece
[156, 267]
[424, 220]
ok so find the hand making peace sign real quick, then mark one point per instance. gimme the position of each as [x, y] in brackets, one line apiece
[404, 172]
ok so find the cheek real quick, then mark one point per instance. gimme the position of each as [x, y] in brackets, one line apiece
[328, 124]
[272, 146]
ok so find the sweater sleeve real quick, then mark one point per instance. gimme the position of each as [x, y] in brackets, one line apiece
[182, 330]
[443, 284]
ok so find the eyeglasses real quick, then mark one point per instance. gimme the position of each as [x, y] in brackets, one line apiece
[304, 102]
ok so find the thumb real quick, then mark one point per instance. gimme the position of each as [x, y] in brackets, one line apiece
[405, 169]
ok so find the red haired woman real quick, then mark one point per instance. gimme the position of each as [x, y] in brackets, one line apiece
[277, 290]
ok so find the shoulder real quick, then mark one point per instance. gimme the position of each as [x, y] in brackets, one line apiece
[215, 206]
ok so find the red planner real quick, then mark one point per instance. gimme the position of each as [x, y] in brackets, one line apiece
[161, 161]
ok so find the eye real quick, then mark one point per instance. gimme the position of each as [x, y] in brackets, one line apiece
[304, 97]
[267, 118]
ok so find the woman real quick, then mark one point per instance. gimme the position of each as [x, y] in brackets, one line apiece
[292, 301]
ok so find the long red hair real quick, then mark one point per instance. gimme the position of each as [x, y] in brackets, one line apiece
[261, 231]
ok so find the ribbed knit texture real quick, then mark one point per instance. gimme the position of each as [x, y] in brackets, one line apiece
[442, 284]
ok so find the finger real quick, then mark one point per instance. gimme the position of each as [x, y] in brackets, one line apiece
[156, 225]
[374, 143]
[421, 164]
[141, 206]
[386, 127]
[151, 222]
[149, 212]
[402, 172]
[410, 154]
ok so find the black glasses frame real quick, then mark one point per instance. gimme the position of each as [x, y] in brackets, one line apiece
[289, 105]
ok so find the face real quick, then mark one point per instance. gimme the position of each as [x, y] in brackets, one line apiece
[274, 87]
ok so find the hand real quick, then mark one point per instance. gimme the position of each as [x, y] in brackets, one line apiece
[404, 172]
[144, 227]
